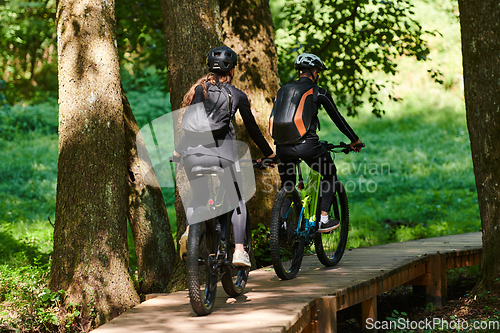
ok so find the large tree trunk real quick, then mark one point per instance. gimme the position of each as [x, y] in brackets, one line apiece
[90, 258]
[248, 30]
[480, 25]
[191, 29]
[147, 214]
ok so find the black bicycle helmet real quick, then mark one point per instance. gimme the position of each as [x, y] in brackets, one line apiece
[221, 59]
[309, 60]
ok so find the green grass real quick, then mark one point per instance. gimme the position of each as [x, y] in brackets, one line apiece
[27, 197]
[413, 180]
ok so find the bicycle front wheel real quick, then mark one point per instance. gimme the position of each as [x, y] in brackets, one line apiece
[330, 247]
[202, 281]
[287, 246]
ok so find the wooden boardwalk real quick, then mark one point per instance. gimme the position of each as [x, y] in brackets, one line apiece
[309, 303]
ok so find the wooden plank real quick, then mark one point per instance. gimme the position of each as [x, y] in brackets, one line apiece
[312, 326]
[326, 308]
[369, 310]
[422, 280]
[436, 291]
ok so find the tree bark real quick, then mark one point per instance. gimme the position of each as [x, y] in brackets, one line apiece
[188, 40]
[480, 25]
[147, 214]
[249, 31]
[90, 257]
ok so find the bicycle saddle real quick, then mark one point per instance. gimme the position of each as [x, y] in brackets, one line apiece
[200, 170]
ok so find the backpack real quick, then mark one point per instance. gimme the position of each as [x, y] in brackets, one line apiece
[213, 115]
[293, 112]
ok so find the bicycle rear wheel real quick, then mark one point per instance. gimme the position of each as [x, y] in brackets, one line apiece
[330, 247]
[235, 280]
[287, 246]
[201, 278]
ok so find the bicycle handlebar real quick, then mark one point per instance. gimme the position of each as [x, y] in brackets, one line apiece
[262, 165]
[346, 148]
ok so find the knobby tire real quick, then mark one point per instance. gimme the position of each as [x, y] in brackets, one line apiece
[202, 281]
[330, 247]
[286, 246]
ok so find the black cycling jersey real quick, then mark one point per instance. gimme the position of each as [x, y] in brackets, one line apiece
[325, 99]
[312, 151]
[241, 104]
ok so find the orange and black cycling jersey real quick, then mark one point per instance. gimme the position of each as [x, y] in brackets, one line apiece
[325, 99]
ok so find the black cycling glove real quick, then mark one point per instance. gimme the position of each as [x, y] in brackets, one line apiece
[271, 160]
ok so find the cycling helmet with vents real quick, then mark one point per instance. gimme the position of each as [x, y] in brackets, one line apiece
[309, 60]
[221, 59]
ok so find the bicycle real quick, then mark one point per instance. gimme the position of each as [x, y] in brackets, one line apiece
[210, 250]
[294, 227]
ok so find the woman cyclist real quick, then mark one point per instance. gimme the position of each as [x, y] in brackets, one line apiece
[221, 62]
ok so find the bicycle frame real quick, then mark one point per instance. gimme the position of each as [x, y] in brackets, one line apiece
[221, 220]
[309, 197]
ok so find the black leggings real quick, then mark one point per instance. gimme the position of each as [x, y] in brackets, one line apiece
[318, 159]
[201, 191]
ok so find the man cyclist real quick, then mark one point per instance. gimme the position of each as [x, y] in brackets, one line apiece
[308, 147]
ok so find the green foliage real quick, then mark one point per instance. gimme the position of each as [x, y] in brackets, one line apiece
[18, 120]
[27, 48]
[353, 38]
[28, 55]
[27, 305]
[146, 94]
[28, 151]
[29, 171]
[29, 248]
[140, 37]
[261, 245]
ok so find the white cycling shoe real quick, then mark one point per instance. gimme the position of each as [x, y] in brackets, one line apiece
[241, 259]
[183, 245]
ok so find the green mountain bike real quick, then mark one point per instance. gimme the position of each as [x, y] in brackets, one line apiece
[294, 226]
